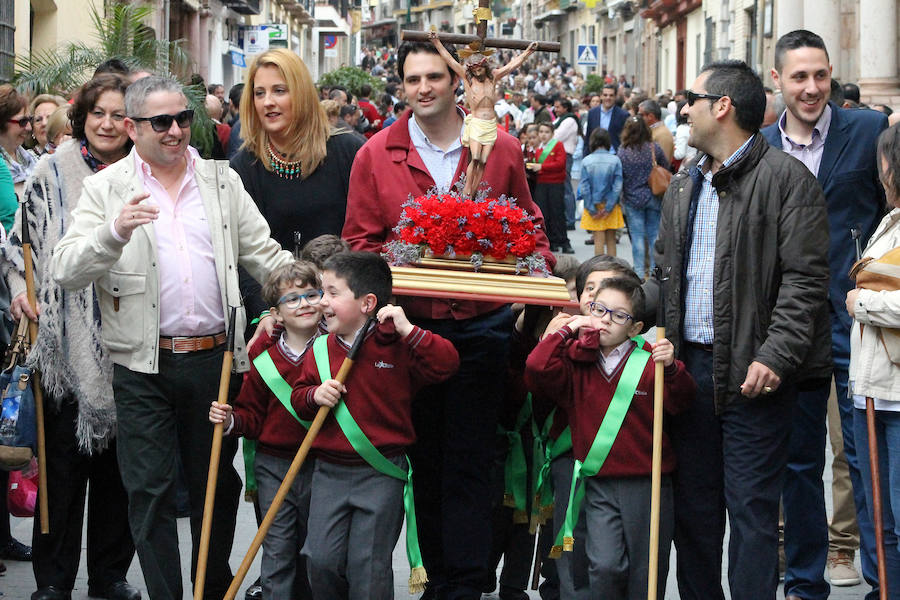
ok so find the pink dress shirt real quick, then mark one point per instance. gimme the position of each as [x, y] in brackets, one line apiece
[190, 302]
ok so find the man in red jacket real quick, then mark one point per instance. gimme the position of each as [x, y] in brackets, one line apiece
[455, 421]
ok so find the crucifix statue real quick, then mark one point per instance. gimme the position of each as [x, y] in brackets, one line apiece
[480, 84]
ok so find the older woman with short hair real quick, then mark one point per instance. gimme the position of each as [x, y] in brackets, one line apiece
[40, 109]
[76, 373]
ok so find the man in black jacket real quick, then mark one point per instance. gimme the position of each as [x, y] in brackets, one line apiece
[744, 233]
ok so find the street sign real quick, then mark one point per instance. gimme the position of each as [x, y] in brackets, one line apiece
[329, 42]
[587, 54]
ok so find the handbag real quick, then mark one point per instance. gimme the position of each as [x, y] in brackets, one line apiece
[659, 176]
[21, 495]
[18, 416]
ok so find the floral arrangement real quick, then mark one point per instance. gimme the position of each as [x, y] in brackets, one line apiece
[448, 224]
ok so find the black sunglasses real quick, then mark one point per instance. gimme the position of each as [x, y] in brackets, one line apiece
[22, 122]
[693, 97]
[161, 123]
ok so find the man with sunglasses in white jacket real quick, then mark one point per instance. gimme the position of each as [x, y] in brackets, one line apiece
[161, 234]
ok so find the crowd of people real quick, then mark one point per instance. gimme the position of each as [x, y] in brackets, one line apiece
[516, 425]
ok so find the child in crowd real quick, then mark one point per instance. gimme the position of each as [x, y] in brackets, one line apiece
[323, 247]
[602, 375]
[549, 193]
[262, 411]
[599, 189]
[356, 509]
[530, 146]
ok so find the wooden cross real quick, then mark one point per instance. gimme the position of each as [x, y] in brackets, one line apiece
[482, 16]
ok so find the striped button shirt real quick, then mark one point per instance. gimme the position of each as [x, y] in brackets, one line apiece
[698, 298]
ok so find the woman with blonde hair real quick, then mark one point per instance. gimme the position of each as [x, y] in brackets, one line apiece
[59, 128]
[297, 170]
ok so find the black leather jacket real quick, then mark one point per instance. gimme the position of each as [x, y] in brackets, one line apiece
[770, 283]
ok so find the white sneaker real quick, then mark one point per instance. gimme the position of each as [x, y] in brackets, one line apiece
[841, 571]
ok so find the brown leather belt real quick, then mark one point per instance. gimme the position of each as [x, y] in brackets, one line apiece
[180, 345]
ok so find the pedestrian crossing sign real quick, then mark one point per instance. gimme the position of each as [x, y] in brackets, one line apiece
[587, 54]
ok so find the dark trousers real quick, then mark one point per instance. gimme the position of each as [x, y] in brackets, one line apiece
[805, 523]
[69, 472]
[156, 413]
[550, 198]
[734, 460]
[510, 541]
[456, 426]
[570, 193]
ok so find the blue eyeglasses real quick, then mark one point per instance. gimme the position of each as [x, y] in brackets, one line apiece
[293, 299]
[617, 316]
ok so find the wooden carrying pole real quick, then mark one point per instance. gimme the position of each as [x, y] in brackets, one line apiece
[656, 465]
[877, 518]
[461, 39]
[291, 474]
[35, 378]
[214, 456]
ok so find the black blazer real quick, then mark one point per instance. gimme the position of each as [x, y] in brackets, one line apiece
[848, 175]
[616, 123]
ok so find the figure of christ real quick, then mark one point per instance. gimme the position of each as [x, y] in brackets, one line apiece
[480, 83]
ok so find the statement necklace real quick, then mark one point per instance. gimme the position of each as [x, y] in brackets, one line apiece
[283, 168]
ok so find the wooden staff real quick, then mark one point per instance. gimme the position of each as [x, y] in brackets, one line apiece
[656, 469]
[877, 517]
[35, 378]
[291, 474]
[214, 455]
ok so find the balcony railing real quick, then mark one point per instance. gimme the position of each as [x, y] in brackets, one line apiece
[244, 7]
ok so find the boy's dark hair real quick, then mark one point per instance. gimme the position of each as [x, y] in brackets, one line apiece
[566, 266]
[735, 79]
[400, 107]
[365, 90]
[321, 248]
[631, 287]
[600, 139]
[299, 272]
[365, 273]
[407, 48]
[799, 38]
[602, 262]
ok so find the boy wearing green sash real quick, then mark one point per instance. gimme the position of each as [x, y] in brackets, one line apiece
[555, 477]
[362, 482]
[602, 376]
[263, 412]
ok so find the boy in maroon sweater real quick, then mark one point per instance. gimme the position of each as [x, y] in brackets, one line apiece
[356, 509]
[549, 192]
[604, 380]
[293, 291]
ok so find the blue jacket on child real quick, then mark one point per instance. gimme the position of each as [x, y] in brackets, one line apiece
[601, 181]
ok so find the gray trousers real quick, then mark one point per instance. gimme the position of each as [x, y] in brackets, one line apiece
[355, 515]
[617, 512]
[283, 570]
[571, 567]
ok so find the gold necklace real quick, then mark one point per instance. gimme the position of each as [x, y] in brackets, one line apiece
[283, 168]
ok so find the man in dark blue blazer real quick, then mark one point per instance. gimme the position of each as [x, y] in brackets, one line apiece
[608, 116]
[839, 147]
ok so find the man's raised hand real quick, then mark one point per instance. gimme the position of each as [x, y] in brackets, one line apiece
[134, 214]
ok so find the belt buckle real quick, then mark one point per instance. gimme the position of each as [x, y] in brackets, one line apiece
[175, 349]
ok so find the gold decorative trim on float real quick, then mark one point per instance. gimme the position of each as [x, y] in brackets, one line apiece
[463, 284]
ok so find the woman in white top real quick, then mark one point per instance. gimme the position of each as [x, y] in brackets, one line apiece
[875, 360]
